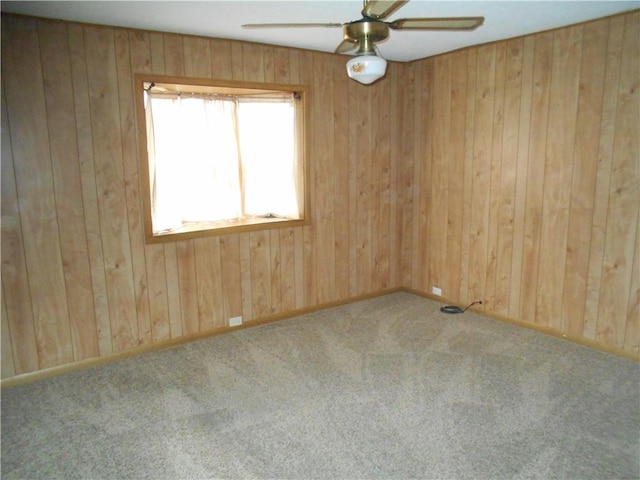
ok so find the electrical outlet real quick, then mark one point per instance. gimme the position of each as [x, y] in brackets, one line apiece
[235, 321]
[436, 291]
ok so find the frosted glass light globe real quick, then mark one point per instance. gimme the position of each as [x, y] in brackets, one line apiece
[366, 69]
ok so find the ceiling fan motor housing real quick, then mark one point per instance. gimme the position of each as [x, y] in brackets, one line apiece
[366, 32]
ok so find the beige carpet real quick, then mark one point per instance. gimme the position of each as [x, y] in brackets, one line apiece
[385, 388]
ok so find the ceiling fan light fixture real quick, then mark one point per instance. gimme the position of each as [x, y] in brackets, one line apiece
[366, 68]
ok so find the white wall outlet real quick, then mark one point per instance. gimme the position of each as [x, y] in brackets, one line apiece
[436, 291]
[235, 321]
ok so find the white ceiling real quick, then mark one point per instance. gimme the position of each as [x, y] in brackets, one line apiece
[503, 19]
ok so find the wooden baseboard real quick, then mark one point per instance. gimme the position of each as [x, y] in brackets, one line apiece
[533, 326]
[96, 361]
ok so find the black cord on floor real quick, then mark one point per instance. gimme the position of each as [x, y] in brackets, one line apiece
[454, 309]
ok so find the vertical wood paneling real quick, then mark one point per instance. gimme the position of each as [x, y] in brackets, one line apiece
[594, 49]
[205, 271]
[362, 139]
[141, 51]
[89, 188]
[394, 160]
[550, 185]
[260, 273]
[495, 176]
[174, 59]
[287, 270]
[31, 152]
[440, 161]
[375, 187]
[632, 333]
[17, 310]
[308, 267]
[269, 64]
[158, 296]
[299, 266]
[342, 199]
[156, 43]
[455, 173]
[56, 73]
[507, 173]
[197, 57]
[353, 188]
[603, 174]
[245, 277]
[209, 283]
[8, 366]
[422, 188]
[622, 215]
[405, 175]
[110, 182]
[380, 200]
[221, 59]
[252, 62]
[281, 65]
[467, 180]
[561, 126]
[174, 291]
[323, 180]
[276, 271]
[524, 127]
[188, 287]
[230, 268]
[542, 63]
[481, 171]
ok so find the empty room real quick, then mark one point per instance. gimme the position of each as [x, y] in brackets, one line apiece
[320, 239]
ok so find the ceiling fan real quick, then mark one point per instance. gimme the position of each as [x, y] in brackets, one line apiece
[363, 34]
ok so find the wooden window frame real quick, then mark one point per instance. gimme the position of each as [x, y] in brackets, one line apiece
[206, 85]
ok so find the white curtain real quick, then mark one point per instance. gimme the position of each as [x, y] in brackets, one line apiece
[218, 159]
[268, 155]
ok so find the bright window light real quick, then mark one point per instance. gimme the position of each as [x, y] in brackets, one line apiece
[221, 160]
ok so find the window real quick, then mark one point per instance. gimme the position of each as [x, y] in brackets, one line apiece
[219, 157]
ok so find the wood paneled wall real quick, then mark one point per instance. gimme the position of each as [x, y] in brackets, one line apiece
[524, 192]
[78, 280]
[507, 173]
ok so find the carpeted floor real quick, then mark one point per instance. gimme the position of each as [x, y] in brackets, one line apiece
[385, 388]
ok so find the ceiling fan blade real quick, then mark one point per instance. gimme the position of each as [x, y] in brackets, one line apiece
[380, 9]
[290, 25]
[346, 46]
[444, 23]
